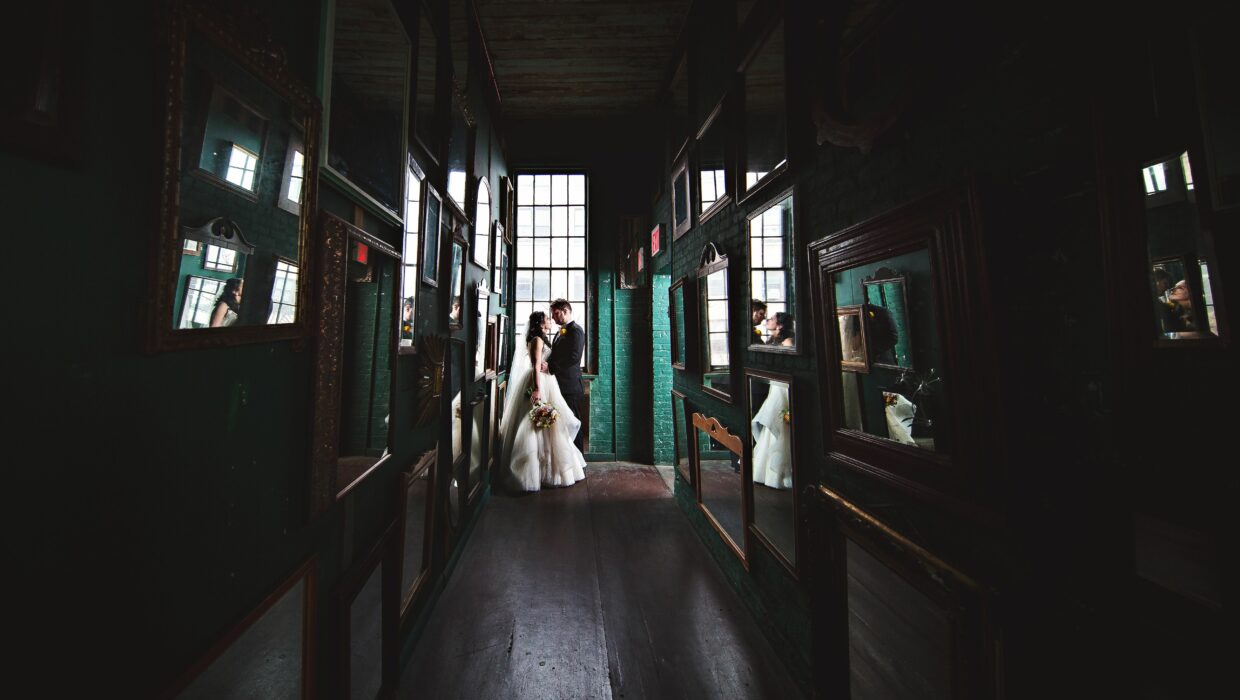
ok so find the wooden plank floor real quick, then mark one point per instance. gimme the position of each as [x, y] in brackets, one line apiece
[599, 590]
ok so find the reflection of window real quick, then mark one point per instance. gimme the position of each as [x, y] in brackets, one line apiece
[284, 294]
[241, 166]
[220, 259]
[409, 255]
[769, 233]
[1188, 171]
[717, 319]
[712, 187]
[189, 247]
[1155, 178]
[1208, 294]
[200, 297]
[456, 186]
[551, 246]
[296, 177]
[751, 178]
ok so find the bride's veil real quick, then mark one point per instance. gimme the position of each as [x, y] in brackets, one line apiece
[516, 402]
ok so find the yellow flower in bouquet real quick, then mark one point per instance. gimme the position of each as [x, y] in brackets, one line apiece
[787, 414]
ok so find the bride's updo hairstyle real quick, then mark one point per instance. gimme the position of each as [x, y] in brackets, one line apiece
[536, 323]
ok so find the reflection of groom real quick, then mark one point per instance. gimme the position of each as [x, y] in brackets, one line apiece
[565, 360]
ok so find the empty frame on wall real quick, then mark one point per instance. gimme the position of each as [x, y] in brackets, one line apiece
[367, 624]
[720, 472]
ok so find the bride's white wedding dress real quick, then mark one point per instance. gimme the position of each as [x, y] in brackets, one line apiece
[772, 452]
[534, 457]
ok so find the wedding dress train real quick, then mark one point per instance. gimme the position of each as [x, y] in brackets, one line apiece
[533, 457]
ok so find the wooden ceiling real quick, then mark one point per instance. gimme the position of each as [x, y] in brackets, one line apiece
[556, 58]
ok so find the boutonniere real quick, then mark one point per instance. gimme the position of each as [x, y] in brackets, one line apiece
[564, 331]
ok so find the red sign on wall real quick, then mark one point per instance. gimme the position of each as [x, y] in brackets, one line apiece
[654, 241]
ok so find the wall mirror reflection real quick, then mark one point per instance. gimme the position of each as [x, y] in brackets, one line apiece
[770, 278]
[501, 341]
[499, 270]
[885, 304]
[481, 309]
[721, 477]
[454, 370]
[766, 120]
[368, 356]
[368, 90]
[410, 255]
[235, 218]
[425, 127]
[899, 399]
[682, 217]
[680, 425]
[679, 95]
[477, 444]
[774, 473]
[714, 322]
[460, 152]
[432, 234]
[367, 657]
[482, 224]
[1179, 269]
[456, 272]
[415, 494]
[713, 188]
[676, 308]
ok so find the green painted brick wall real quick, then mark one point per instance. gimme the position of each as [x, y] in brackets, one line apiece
[661, 354]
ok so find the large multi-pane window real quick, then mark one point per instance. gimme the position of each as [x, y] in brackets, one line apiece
[284, 293]
[551, 247]
[242, 163]
[409, 256]
[769, 233]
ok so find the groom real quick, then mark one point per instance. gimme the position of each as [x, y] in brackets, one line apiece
[565, 360]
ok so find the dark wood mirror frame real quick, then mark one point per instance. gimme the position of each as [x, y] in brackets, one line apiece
[422, 469]
[417, 256]
[458, 238]
[719, 123]
[385, 553]
[791, 268]
[686, 288]
[305, 574]
[681, 418]
[681, 169]
[427, 136]
[945, 226]
[334, 237]
[712, 261]
[482, 398]
[266, 62]
[764, 20]
[713, 428]
[793, 566]
[966, 603]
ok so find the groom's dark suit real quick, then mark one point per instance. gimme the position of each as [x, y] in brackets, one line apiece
[565, 364]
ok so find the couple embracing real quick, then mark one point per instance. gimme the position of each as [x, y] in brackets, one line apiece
[538, 451]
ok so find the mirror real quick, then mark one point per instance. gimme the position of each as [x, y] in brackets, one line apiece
[766, 120]
[482, 224]
[460, 147]
[1183, 293]
[888, 339]
[770, 278]
[676, 308]
[901, 400]
[368, 356]
[477, 444]
[455, 368]
[713, 308]
[456, 270]
[480, 330]
[682, 219]
[432, 229]
[429, 378]
[501, 339]
[499, 270]
[712, 180]
[679, 122]
[721, 486]
[409, 260]
[680, 422]
[368, 90]
[365, 654]
[425, 126]
[236, 202]
[774, 480]
[416, 490]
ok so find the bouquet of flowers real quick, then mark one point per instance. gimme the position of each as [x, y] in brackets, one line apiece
[544, 415]
[787, 415]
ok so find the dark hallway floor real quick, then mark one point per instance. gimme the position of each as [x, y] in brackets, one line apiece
[600, 590]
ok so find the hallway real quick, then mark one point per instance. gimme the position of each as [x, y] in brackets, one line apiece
[595, 591]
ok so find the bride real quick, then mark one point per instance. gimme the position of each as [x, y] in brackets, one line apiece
[772, 450]
[533, 456]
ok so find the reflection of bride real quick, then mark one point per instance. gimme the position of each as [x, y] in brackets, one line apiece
[533, 456]
[772, 451]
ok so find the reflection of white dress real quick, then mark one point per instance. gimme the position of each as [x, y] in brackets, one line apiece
[533, 456]
[772, 450]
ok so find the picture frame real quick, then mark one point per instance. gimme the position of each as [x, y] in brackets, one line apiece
[244, 656]
[781, 499]
[682, 198]
[851, 335]
[733, 531]
[432, 208]
[415, 490]
[367, 621]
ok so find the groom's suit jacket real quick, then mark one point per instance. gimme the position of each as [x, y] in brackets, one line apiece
[565, 359]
